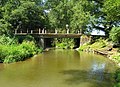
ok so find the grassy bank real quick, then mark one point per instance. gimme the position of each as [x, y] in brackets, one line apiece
[12, 51]
[105, 47]
[97, 45]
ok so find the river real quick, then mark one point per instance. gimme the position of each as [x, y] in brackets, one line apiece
[59, 68]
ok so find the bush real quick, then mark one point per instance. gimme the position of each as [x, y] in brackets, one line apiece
[99, 44]
[117, 78]
[18, 52]
[116, 57]
[64, 43]
[84, 46]
[115, 34]
[7, 40]
[11, 51]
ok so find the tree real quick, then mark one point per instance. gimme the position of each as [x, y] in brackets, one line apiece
[58, 13]
[81, 15]
[74, 13]
[106, 15]
[115, 34]
[27, 16]
[112, 10]
[21, 14]
[112, 14]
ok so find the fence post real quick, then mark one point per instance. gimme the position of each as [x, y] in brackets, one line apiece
[55, 31]
[39, 31]
[31, 31]
[21, 31]
[78, 32]
[67, 31]
[15, 31]
[43, 31]
[27, 31]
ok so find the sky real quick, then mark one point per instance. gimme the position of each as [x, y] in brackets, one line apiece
[97, 32]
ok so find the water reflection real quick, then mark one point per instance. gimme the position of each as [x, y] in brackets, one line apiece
[97, 71]
[99, 79]
[59, 68]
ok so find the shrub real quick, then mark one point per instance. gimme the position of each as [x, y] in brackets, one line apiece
[7, 40]
[99, 44]
[18, 52]
[64, 43]
[117, 78]
[115, 34]
[84, 46]
[117, 57]
[11, 51]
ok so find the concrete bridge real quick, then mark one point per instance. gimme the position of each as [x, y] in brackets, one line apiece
[45, 34]
[45, 39]
[50, 35]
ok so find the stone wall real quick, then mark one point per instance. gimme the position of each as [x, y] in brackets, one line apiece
[84, 39]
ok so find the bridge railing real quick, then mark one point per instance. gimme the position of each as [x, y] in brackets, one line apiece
[42, 31]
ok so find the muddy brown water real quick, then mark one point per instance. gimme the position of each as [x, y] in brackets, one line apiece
[59, 68]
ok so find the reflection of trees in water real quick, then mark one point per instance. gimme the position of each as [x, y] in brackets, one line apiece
[97, 77]
[97, 71]
[66, 53]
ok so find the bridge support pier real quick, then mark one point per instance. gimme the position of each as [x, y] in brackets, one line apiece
[42, 43]
[45, 42]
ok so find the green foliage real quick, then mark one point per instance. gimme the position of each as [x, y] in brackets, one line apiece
[14, 53]
[29, 38]
[111, 8]
[5, 27]
[74, 13]
[80, 15]
[11, 51]
[21, 14]
[84, 47]
[115, 34]
[64, 43]
[117, 78]
[7, 40]
[116, 57]
[99, 44]
[27, 15]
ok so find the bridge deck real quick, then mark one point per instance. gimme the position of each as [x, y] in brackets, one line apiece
[50, 35]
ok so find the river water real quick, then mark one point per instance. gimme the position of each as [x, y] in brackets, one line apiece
[59, 68]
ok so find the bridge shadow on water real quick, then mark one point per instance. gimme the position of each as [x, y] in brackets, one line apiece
[96, 78]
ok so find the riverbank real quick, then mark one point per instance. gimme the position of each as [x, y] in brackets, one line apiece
[103, 47]
[12, 51]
